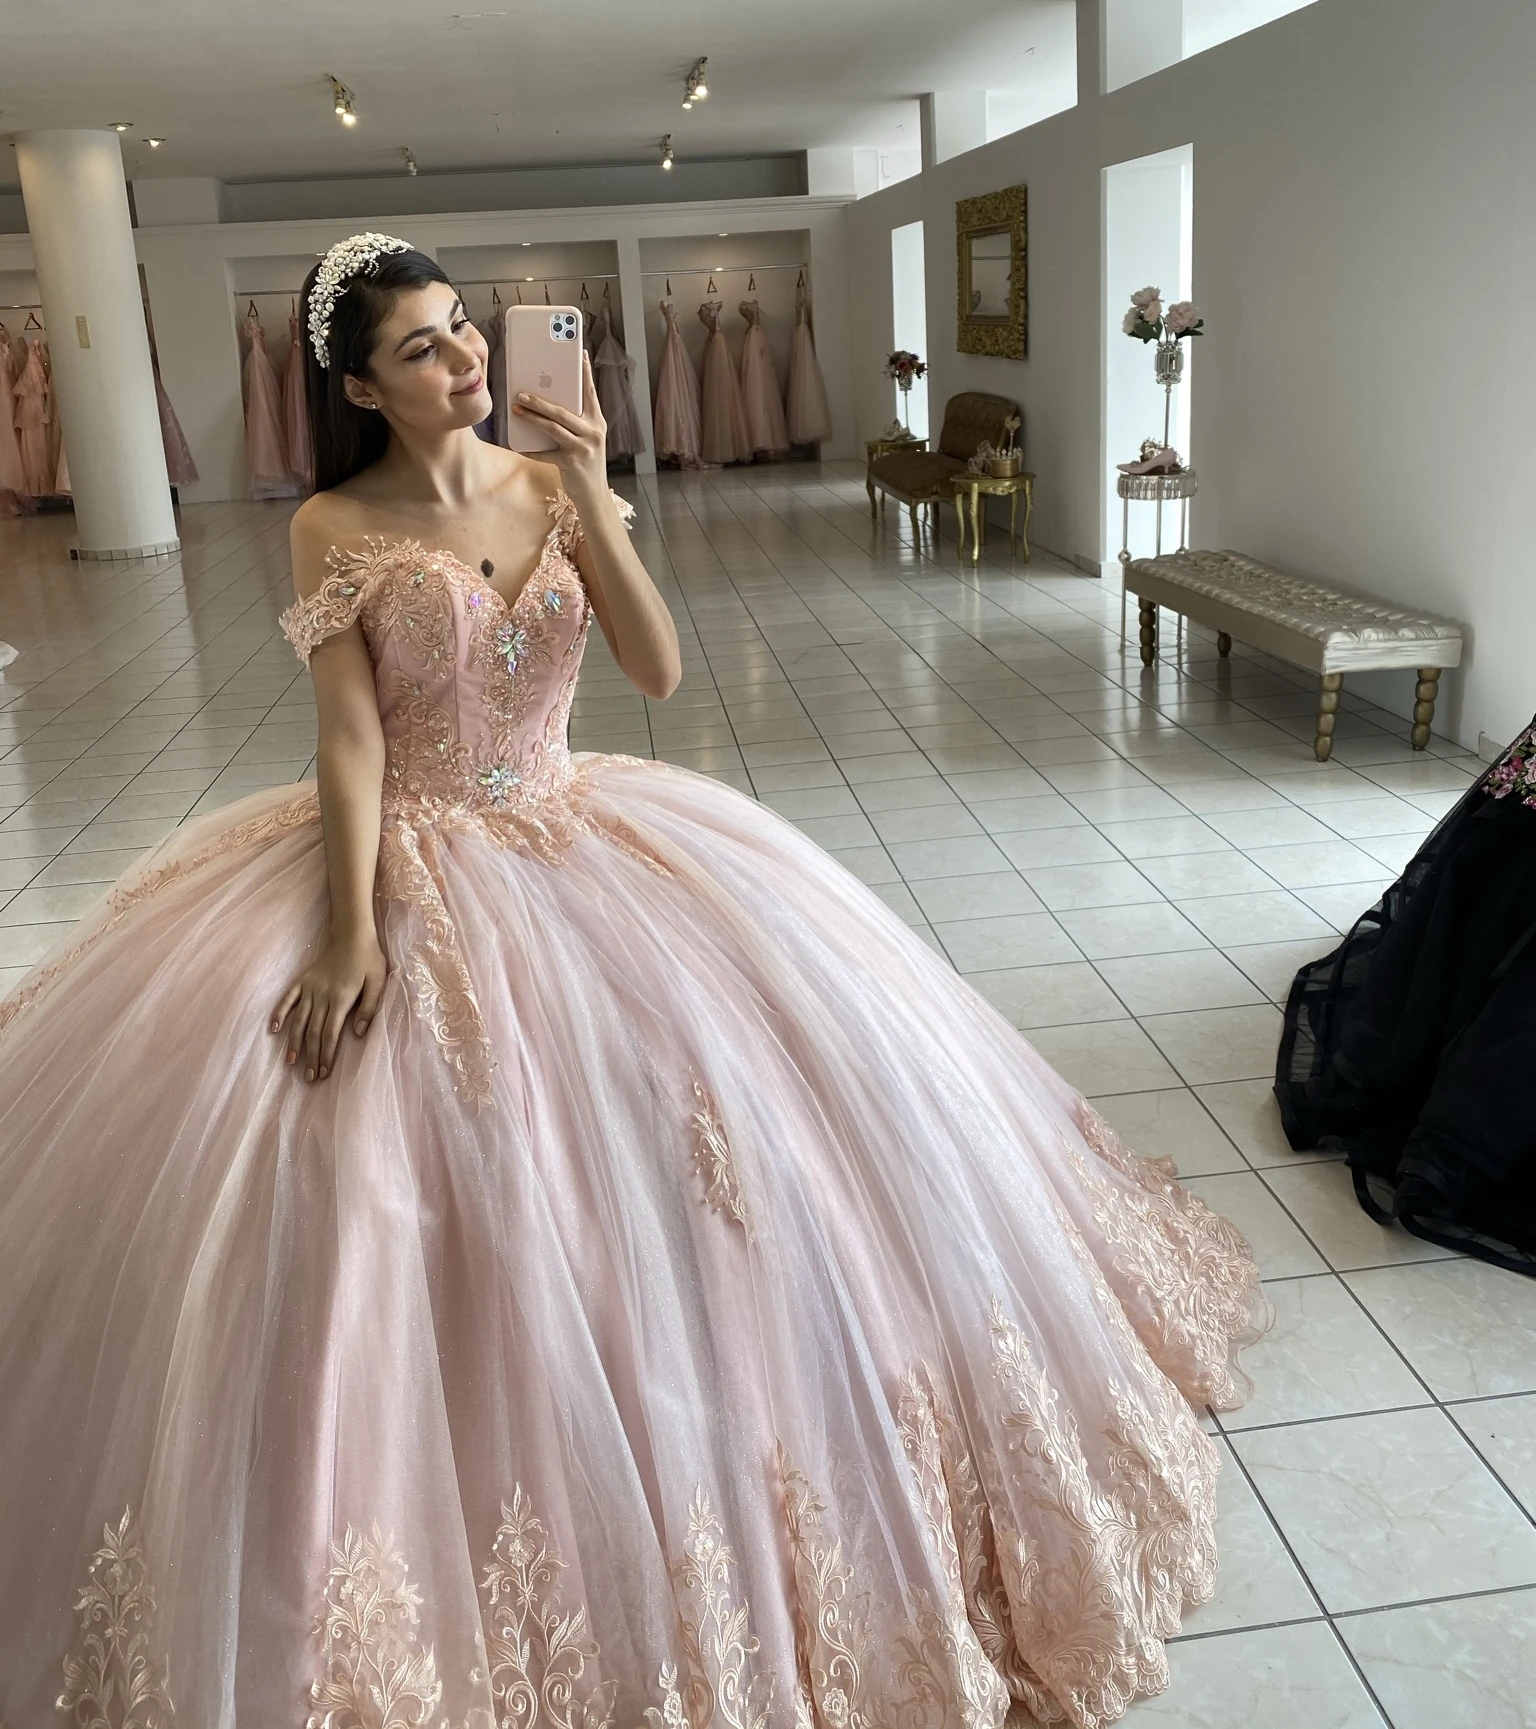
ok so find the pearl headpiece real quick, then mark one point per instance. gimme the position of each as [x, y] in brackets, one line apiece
[358, 256]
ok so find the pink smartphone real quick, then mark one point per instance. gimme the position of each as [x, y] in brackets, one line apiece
[543, 349]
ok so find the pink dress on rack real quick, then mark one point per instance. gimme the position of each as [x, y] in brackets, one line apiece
[805, 407]
[301, 458]
[180, 469]
[692, 1302]
[760, 386]
[14, 495]
[612, 370]
[679, 431]
[724, 414]
[266, 452]
[38, 464]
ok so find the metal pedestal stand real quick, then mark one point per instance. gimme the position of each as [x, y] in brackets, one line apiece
[1158, 489]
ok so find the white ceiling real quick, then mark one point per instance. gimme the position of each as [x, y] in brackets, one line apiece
[240, 92]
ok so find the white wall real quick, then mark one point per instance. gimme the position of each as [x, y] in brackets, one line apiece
[194, 270]
[1363, 254]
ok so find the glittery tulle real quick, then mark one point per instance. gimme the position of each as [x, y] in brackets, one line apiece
[767, 1336]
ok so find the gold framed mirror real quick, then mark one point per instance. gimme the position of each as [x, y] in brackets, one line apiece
[991, 237]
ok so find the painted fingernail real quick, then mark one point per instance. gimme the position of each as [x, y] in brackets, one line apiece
[292, 1058]
[309, 1074]
[362, 1027]
[522, 396]
[324, 1073]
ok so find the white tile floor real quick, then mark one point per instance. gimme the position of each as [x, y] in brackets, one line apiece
[1130, 864]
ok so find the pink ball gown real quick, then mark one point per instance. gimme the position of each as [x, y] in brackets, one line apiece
[726, 434]
[691, 1303]
[612, 369]
[14, 497]
[265, 447]
[805, 395]
[679, 430]
[760, 387]
[39, 464]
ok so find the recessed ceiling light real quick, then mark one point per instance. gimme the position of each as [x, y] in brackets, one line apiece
[122, 125]
[527, 279]
[527, 243]
[154, 143]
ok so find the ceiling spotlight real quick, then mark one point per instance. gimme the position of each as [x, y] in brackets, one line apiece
[154, 143]
[697, 86]
[666, 151]
[410, 160]
[122, 125]
[344, 103]
[527, 243]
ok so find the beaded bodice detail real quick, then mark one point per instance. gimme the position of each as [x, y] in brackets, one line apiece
[474, 697]
[474, 690]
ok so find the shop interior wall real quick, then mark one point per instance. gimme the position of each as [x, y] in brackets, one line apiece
[1363, 258]
[193, 273]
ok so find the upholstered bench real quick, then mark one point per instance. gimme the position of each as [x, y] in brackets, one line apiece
[1310, 624]
[926, 476]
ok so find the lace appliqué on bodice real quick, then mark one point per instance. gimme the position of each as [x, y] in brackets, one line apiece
[474, 698]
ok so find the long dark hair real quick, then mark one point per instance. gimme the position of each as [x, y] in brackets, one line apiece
[346, 438]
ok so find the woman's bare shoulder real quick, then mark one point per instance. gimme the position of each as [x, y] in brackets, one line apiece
[325, 523]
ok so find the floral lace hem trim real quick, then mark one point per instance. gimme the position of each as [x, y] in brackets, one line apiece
[1059, 1568]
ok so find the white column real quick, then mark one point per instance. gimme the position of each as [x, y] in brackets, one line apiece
[88, 278]
[952, 122]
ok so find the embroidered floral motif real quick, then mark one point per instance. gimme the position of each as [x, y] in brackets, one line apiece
[1514, 774]
[716, 1162]
[1120, 1551]
[445, 994]
[538, 1651]
[377, 1676]
[111, 1680]
[1193, 1284]
[721, 1690]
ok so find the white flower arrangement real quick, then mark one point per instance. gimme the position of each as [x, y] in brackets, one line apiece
[1149, 321]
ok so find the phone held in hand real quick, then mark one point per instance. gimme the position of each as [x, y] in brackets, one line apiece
[543, 350]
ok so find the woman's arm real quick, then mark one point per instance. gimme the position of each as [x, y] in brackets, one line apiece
[349, 778]
[629, 608]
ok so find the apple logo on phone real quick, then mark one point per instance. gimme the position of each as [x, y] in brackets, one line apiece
[545, 380]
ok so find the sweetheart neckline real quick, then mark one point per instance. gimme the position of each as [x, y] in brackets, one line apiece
[477, 578]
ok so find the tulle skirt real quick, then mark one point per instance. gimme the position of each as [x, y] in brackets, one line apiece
[727, 437]
[776, 1339]
[611, 368]
[805, 401]
[679, 430]
[760, 394]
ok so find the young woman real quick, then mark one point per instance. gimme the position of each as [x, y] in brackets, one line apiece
[512, 1235]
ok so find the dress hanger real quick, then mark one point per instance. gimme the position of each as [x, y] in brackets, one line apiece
[250, 310]
[751, 284]
[519, 294]
[711, 289]
[800, 280]
[495, 299]
[33, 322]
[546, 294]
[293, 307]
[585, 297]
[669, 288]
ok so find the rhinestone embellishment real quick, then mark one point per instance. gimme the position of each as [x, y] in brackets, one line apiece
[418, 577]
[511, 644]
[499, 780]
[553, 601]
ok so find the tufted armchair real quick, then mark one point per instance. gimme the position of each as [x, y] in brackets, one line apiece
[924, 476]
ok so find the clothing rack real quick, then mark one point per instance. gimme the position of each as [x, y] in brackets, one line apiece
[727, 270]
[538, 281]
[21, 306]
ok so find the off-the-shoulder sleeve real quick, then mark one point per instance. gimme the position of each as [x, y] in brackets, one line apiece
[335, 604]
[569, 522]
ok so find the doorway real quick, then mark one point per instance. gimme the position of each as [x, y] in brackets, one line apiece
[1148, 242]
[909, 317]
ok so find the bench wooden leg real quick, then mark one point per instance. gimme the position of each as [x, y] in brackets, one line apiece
[1424, 705]
[1327, 714]
[1223, 643]
[874, 509]
[1148, 631]
[912, 518]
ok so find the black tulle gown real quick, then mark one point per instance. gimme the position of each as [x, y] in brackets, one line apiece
[1412, 1047]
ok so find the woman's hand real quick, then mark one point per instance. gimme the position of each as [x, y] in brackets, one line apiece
[352, 970]
[581, 440]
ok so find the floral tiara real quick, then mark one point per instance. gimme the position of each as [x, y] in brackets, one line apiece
[358, 256]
